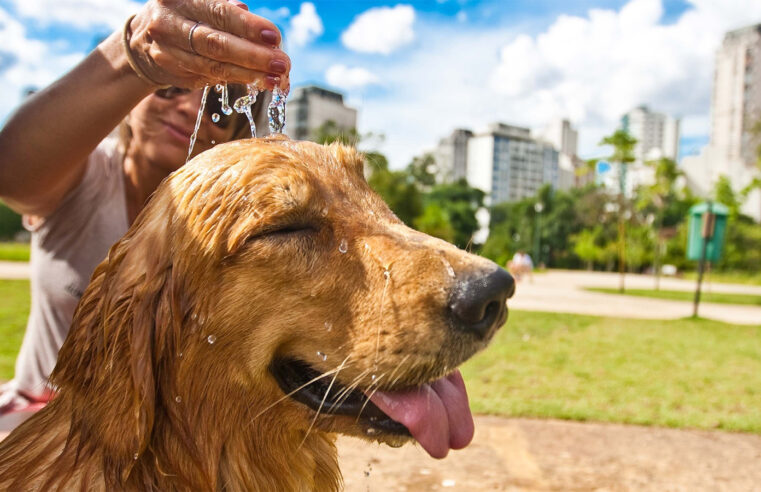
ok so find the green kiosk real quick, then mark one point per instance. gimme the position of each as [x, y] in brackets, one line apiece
[705, 239]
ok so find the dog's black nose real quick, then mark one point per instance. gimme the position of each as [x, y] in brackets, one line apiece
[478, 303]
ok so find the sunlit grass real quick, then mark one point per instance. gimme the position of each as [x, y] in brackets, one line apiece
[676, 295]
[14, 309]
[684, 373]
[14, 251]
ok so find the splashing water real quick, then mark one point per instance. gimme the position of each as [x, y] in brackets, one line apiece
[215, 117]
[344, 246]
[211, 339]
[276, 110]
[243, 105]
[225, 100]
[198, 122]
[322, 356]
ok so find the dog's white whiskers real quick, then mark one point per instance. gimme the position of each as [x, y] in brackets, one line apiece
[367, 397]
[291, 393]
[324, 397]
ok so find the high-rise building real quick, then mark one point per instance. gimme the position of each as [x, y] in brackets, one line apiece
[508, 164]
[735, 110]
[565, 139]
[736, 105]
[311, 106]
[451, 156]
[657, 134]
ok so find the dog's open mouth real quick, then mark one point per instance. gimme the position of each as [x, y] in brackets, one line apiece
[304, 384]
[436, 414]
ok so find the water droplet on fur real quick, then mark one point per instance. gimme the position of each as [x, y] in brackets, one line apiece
[324, 211]
[372, 213]
[328, 325]
[214, 142]
[425, 471]
[373, 377]
[448, 483]
[344, 246]
[194, 316]
[322, 356]
[215, 117]
[135, 456]
[312, 294]
[448, 266]
[371, 431]
[179, 355]
[386, 274]
[178, 399]
[211, 339]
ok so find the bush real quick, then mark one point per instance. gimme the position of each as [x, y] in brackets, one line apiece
[10, 222]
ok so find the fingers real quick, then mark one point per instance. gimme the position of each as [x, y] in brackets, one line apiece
[228, 17]
[223, 47]
[227, 44]
[204, 71]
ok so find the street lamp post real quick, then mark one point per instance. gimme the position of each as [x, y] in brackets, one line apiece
[538, 207]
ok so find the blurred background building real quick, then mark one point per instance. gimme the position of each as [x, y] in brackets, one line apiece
[506, 162]
[310, 107]
[451, 156]
[735, 111]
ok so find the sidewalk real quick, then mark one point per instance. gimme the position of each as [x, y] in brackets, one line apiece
[563, 291]
[14, 269]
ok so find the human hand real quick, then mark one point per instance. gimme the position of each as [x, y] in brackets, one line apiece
[194, 43]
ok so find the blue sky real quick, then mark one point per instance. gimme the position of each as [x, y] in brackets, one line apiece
[417, 70]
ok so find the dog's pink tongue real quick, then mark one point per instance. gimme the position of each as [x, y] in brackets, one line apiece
[437, 414]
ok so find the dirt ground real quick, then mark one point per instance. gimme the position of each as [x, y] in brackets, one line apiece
[539, 455]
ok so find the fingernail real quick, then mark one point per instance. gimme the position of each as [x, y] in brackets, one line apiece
[270, 37]
[273, 80]
[241, 5]
[278, 66]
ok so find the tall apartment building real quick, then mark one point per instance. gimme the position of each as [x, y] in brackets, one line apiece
[561, 134]
[657, 134]
[735, 109]
[506, 162]
[310, 107]
[451, 156]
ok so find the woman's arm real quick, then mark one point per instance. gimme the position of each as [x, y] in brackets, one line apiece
[45, 144]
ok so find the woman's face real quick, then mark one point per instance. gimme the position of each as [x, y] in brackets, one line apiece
[161, 129]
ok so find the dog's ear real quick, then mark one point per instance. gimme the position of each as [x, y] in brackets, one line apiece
[126, 325]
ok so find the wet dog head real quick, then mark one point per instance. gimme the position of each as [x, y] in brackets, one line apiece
[268, 269]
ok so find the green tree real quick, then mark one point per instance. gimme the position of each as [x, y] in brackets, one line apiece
[423, 170]
[330, 132]
[396, 188]
[459, 202]
[435, 221]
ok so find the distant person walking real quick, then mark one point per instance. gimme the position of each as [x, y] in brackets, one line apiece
[521, 264]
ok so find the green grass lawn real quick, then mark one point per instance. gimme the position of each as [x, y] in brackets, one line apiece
[14, 309]
[14, 251]
[747, 278]
[684, 373]
[676, 295]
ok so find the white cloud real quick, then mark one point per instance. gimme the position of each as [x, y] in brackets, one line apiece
[80, 14]
[273, 14]
[381, 30]
[347, 78]
[589, 68]
[306, 25]
[26, 63]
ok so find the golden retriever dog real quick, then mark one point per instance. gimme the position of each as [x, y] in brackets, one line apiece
[263, 301]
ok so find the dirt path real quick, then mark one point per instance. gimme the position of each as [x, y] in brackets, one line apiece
[538, 455]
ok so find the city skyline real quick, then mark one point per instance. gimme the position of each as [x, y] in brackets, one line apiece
[417, 70]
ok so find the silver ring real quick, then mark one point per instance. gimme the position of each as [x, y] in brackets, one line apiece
[190, 37]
